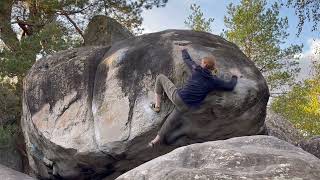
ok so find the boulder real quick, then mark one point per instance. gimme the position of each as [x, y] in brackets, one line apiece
[251, 157]
[312, 146]
[10, 156]
[280, 127]
[86, 111]
[104, 31]
[10, 174]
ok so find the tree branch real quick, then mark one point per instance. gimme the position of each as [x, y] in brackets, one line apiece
[74, 24]
[7, 35]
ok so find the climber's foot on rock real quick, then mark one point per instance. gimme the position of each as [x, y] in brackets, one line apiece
[154, 107]
[154, 142]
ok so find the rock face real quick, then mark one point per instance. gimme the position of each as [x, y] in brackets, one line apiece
[10, 174]
[86, 110]
[104, 31]
[312, 146]
[281, 128]
[9, 156]
[251, 157]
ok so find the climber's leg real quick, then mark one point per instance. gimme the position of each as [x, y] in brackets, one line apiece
[163, 84]
[172, 123]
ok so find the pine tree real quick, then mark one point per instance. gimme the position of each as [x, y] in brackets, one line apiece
[196, 21]
[260, 33]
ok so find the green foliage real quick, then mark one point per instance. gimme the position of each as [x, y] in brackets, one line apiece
[10, 108]
[7, 135]
[196, 21]
[306, 10]
[259, 32]
[302, 106]
[50, 39]
[50, 26]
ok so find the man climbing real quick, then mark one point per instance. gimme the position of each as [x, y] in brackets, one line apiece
[201, 82]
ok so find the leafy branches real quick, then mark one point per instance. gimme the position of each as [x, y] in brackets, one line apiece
[306, 10]
[196, 21]
[260, 33]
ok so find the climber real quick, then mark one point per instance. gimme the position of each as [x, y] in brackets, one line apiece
[201, 82]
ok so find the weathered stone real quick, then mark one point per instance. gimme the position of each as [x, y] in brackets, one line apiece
[312, 146]
[10, 157]
[281, 128]
[251, 157]
[104, 31]
[90, 115]
[10, 174]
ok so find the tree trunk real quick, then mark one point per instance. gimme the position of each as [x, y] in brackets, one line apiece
[7, 35]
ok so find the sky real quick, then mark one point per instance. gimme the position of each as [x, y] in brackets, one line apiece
[176, 12]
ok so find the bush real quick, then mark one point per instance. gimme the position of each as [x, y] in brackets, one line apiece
[10, 107]
[302, 106]
[7, 135]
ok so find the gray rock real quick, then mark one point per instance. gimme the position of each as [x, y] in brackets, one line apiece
[280, 127]
[86, 114]
[251, 157]
[10, 174]
[9, 156]
[312, 145]
[104, 31]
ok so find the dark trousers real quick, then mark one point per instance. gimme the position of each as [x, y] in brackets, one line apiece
[163, 84]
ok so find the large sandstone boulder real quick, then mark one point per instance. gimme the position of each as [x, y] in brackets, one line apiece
[251, 157]
[104, 31]
[86, 114]
[10, 174]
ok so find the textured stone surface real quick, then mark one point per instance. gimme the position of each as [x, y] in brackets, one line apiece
[312, 146]
[10, 174]
[87, 109]
[10, 157]
[281, 128]
[104, 31]
[251, 157]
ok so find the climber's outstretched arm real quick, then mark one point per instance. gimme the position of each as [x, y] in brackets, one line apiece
[187, 59]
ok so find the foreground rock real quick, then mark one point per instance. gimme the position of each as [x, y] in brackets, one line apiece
[86, 114]
[252, 157]
[10, 174]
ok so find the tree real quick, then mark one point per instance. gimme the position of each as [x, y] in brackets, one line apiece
[306, 10]
[30, 29]
[260, 34]
[35, 28]
[302, 106]
[196, 21]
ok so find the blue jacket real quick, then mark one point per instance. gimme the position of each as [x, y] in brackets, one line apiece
[201, 83]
